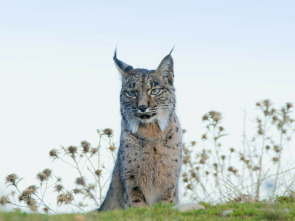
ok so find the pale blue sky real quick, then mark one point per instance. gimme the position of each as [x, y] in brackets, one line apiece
[58, 82]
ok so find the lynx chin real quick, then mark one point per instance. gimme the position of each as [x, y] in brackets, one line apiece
[149, 158]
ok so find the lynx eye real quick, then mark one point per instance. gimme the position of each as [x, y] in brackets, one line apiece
[131, 93]
[155, 91]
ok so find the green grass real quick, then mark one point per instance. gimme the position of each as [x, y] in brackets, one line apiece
[241, 211]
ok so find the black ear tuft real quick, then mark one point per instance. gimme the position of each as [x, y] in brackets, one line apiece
[122, 67]
[170, 51]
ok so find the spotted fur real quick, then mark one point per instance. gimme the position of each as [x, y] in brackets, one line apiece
[149, 158]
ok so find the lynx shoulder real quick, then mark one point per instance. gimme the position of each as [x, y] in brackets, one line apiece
[149, 158]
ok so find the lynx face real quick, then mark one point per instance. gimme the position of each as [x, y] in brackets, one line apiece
[147, 96]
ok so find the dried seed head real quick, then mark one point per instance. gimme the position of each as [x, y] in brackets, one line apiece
[275, 159]
[86, 146]
[25, 195]
[72, 150]
[77, 191]
[11, 179]
[53, 153]
[184, 174]
[267, 147]
[98, 173]
[80, 181]
[221, 129]
[184, 131]
[64, 198]
[32, 189]
[94, 151]
[232, 149]
[186, 159]
[223, 157]
[205, 117]
[202, 161]
[216, 116]
[47, 172]
[41, 176]
[112, 148]
[207, 173]
[58, 187]
[4, 200]
[256, 168]
[91, 186]
[266, 103]
[215, 165]
[204, 137]
[193, 143]
[276, 148]
[189, 186]
[46, 209]
[185, 179]
[108, 132]
[289, 105]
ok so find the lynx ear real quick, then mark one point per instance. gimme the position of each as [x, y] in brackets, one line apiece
[122, 67]
[165, 69]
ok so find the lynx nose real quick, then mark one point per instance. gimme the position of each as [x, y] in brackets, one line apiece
[142, 108]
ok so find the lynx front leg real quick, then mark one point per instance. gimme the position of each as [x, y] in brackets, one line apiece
[170, 196]
[134, 195]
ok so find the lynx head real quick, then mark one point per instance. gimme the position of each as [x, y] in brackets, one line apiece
[147, 96]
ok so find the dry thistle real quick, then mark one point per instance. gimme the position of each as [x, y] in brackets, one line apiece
[72, 150]
[86, 146]
[64, 198]
[4, 200]
[108, 132]
[80, 181]
[11, 179]
[276, 148]
[94, 151]
[98, 173]
[41, 176]
[77, 191]
[223, 157]
[204, 137]
[53, 153]
[47, 172]
[32, 189]
[232, 149]
[46, 209]
[112, 148]
[58, 187]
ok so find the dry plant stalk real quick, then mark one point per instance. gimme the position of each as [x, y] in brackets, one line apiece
[211, 172]
[85, 162]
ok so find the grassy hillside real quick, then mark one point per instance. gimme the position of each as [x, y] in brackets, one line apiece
[240, 211]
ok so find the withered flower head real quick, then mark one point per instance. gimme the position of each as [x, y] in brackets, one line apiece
[193, 143]
[183, 131]
[25, 195]
[185, 179]
[41, 176]
[97, 173]
[216, 116]
[276, 148]
[289, 105]
[205, 117]
[186, 159]
[189, 186]
[184, 174]
[202, 161]
[94, 151]
[207, 173]
[80, 181]
[223, 157]
[4, 200]
[77, 191]
[275, 159]
[256, 168]
[204, 137]
[46, 209]
[221, 128]
[215, 165]
[72, 150]
[108, 132]
[232, 149]
[266, 103]
[32, 189]
[86, 146]
[47, 172]
[112, 148]
[267, 147]
[11, 179]
[58, 187]
[91, 186]
[64, 198]
[53, 153]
